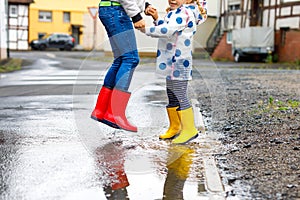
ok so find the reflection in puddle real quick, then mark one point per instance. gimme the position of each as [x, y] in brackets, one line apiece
[110, 160]
[166, 172]
[180, 159]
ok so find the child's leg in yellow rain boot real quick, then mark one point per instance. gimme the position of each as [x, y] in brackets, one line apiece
[175, 124]
[188, 129]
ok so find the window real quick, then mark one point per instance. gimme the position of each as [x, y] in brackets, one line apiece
[63, 36]
[67, 17]
[229, 37]
[13, 11]
[287, 1]
[234, 5]
[53, 37]
[40, 35]
[45, 16]
[283, 31]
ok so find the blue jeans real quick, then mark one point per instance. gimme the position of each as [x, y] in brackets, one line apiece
[123, 43]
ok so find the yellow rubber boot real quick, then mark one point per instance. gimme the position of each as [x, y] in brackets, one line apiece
[188, 129]
[175, 125]
[180, 159]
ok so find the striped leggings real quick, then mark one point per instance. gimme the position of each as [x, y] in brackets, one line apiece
[177, 94]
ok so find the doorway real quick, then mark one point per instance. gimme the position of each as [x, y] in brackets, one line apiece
[76, 33]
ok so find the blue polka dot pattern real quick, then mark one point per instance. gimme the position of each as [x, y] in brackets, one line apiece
[200, 17]
[158, 53]
[177, 53]
[160, 22]
[176, 73]
[173, 59]
[162, 66]
[186, 63]
[179, 20]
[169, 46]
[187, 42]
[152, 29]
[164, 30]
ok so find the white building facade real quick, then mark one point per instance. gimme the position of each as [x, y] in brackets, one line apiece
[3, 28]
[18, 24]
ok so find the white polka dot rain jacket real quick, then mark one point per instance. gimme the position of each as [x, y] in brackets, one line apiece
[175, 32]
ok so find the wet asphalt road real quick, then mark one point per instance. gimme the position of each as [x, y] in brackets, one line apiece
[51, 149]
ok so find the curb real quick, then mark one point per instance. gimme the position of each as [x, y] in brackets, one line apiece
[213, 180]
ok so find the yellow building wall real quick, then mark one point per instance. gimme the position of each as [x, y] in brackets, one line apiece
[77, 11]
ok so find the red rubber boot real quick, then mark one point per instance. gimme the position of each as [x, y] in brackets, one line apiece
[115, 115]
[121, 181]
[102, 104]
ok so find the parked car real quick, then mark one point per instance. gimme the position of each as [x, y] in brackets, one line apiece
[62, 41]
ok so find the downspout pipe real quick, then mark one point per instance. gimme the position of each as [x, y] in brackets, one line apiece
[1, 34]
[7, 29]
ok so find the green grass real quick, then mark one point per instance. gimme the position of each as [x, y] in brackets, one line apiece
[272, 108]
[274, 105]
[10, 64]
[283, 105]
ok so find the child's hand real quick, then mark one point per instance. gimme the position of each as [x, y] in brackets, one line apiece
[139, 24]
[202, 10]
[150, 10]
[150, 7]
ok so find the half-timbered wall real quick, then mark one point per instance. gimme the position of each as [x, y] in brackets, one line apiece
[18, 26]
[271, 13]
[281, 13]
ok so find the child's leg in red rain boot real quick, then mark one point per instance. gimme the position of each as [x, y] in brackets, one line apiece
[102, 104]
[116, 111]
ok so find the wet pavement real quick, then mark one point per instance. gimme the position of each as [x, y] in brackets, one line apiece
[51, 149]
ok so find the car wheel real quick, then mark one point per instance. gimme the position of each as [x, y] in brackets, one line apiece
[237, 57]
[68, 47]
[42, 47]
